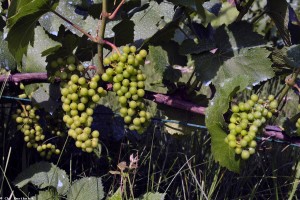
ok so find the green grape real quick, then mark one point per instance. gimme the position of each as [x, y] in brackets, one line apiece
[232, 144]
[254, 97]
[238, 150]
[71, 60]
[106, 61]
[143, 53]
[54, 64]
[235, 109]
[273, 104]
[245, 155]
[132, 49]
[126, 49]
[231, 137]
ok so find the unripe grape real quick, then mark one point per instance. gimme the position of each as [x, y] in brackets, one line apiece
[106, 61]
[232, 144]
[245, 155]
[273, 104]
[238, 150]
[143, 53]
[71, 60]
[254, 97]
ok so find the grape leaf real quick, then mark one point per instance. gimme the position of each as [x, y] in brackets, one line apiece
[151, 20]
[124, 32]
[252, 62]
[226, 15]
[15, 6]
[293, 56]
[153, 196]
[52, 23]
[34, 61]
[117, 195]
[42, 175]
[190, 47]
[46, 195]
[215, 122]
[213, 6]
[110, 101]
[154, 70]
[235, 45]
[21, 25]
[6, 59]
[86, 188]
[195, 5]
[279, 12]
[46, 96]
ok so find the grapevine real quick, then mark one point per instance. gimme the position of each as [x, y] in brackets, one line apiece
[245, 122]
[80, 96]
[29, 123]
[128, 84]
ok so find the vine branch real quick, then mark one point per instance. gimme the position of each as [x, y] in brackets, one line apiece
[101, 31]
[75, 26]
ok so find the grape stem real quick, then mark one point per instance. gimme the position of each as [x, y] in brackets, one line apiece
[290, 82]
[113, 15]
[112, 46]
[100, 33]
[76, 26]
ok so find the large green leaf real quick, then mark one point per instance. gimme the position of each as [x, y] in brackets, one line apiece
[279, 12]
[151, 20]
[293, 56]
[21, 25]
[153, 196]
[189, 46]
[42, 175]
[195, 5]
[238, 51]
[6, 59]
[15, 6]
[110, 101]
[46, 195]
[86, 188]
[117, 195]
[252, 62]
[52, 23]
[46, 96]
[215, 123]
[154, 70]
[124, 32]
[227, 15]
[34, 61]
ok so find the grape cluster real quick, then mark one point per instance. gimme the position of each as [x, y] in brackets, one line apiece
[246, 120]
[28, 122]
[63, 68]
[80, 96]
[128, 83]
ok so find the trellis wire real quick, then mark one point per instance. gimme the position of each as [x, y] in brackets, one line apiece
[175, 122]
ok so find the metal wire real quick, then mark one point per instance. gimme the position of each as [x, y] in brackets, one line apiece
[175, 122]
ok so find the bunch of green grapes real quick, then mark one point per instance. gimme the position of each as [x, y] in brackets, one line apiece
[246, 120]
[79, 97]
[28, 122]
[129, 84]
[63, 68]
